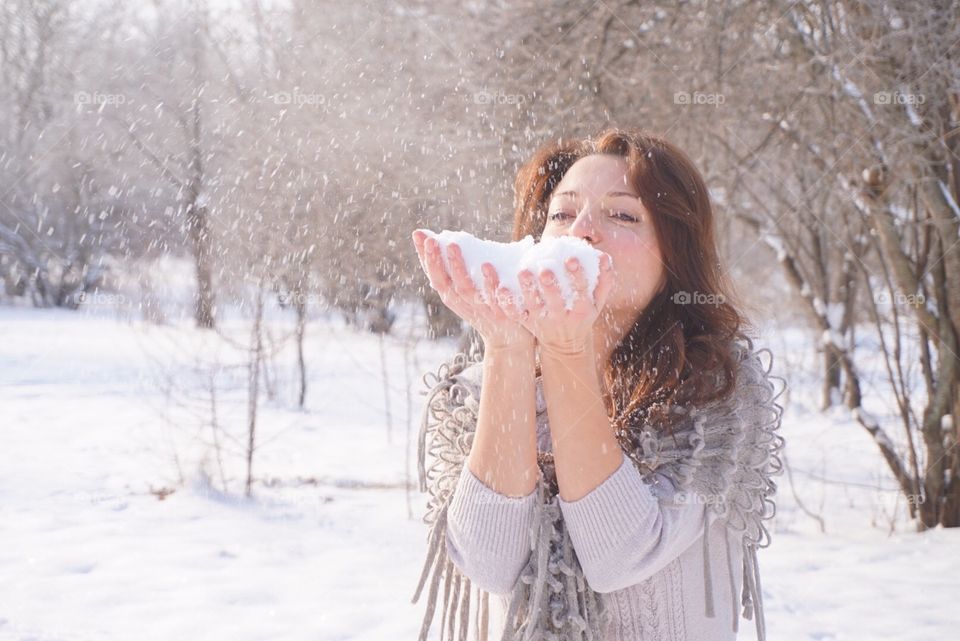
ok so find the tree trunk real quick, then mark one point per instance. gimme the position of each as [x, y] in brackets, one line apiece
[198, 219]
[300, 305]
[199, 230]
[253, 383]
[831, 379]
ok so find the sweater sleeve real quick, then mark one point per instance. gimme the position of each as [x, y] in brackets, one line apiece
[626, 530]
[488, 533]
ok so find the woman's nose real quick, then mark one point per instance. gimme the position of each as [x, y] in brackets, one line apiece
[583, 227]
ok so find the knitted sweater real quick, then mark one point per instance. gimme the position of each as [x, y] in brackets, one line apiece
[641, 544]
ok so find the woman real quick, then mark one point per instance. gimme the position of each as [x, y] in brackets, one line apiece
[603, 471]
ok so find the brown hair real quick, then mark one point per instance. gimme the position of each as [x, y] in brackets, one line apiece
[678, 352]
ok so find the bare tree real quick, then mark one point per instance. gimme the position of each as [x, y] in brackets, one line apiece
[829, 130]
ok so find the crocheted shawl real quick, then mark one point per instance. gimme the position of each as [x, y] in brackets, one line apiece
[725, 452]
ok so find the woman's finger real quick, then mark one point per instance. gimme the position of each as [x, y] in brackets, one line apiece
[507, 302]
[462, 282]
[550, 289]
[491, 284]
[439, 278]
[578, 281]
[532, 301]
[418, 237]
[605, 281]
[503, 302]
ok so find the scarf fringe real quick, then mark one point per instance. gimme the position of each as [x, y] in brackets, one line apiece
[718, 451]
[552, 601]
[744, 461]
[443, 436]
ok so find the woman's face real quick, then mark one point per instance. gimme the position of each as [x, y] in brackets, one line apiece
[596, 201]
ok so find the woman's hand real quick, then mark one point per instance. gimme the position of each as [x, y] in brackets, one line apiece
[497, 319]
[558, 330]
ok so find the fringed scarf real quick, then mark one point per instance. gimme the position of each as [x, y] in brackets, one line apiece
[724, 452]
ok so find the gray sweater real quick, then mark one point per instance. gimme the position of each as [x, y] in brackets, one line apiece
[639, 541]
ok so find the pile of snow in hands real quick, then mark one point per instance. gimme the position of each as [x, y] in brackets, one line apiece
[509, 259]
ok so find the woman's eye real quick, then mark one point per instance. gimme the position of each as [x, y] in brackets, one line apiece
[621, 215]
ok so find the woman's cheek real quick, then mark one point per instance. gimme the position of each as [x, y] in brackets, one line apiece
[638, 278]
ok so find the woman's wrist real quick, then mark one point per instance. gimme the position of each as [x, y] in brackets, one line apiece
[524, 343]
[566, 349]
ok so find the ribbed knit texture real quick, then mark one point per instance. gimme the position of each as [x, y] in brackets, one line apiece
[633, 539]
[488, 534]
[490, 521]
[610, 515]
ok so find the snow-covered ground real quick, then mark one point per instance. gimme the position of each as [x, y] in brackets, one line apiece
[100, 417]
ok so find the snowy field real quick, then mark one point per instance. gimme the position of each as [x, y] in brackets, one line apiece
[101, 417]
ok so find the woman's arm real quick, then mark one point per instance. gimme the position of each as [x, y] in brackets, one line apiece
[585, 450]
[504, 452]
[623, 534]
[492, 508]
[625, 531]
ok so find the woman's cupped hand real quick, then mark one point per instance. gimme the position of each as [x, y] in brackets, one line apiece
[499, 316]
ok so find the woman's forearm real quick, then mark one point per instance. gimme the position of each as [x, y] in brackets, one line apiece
[504, 451]
[585, 450]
